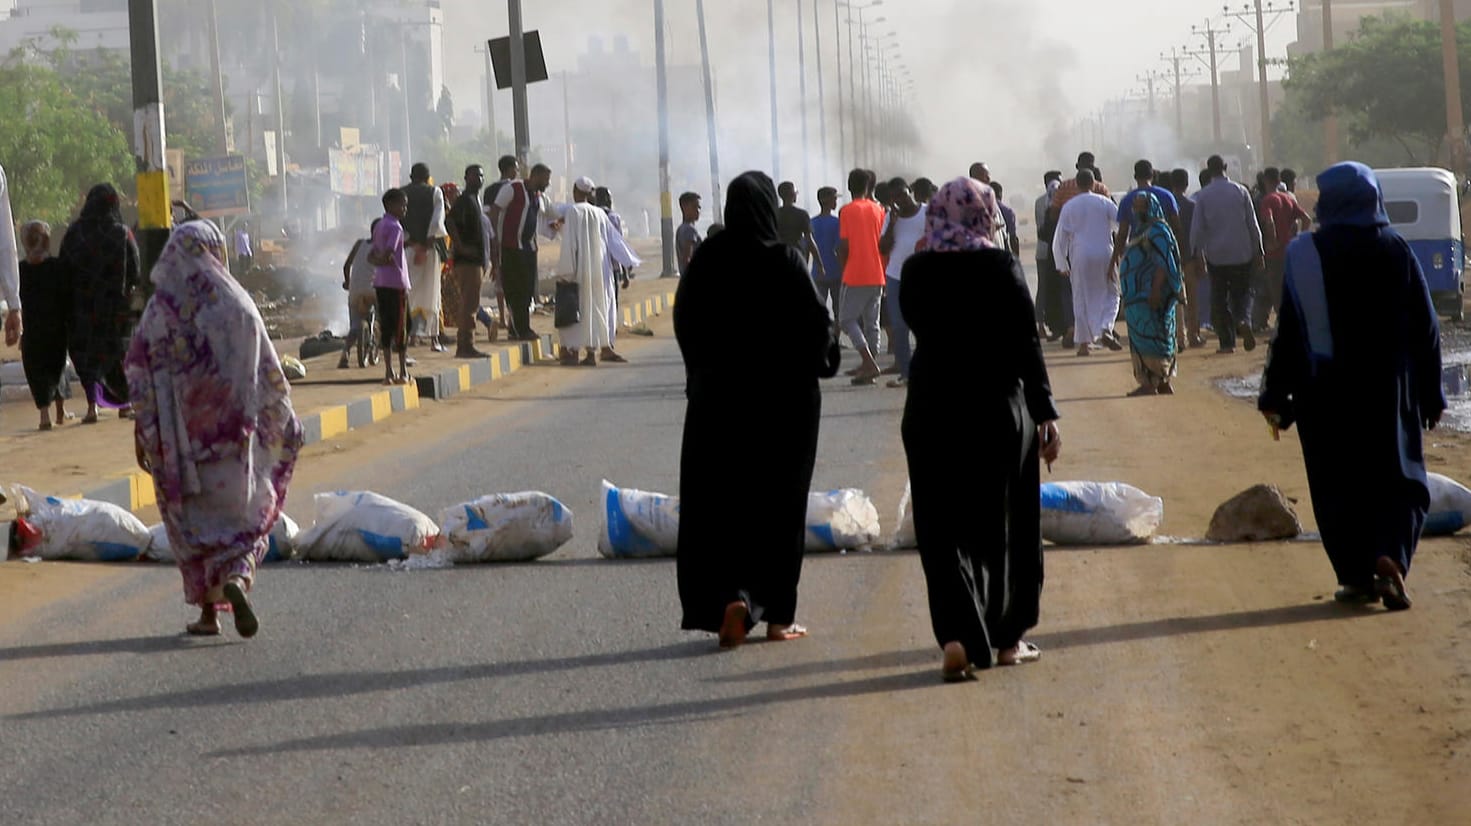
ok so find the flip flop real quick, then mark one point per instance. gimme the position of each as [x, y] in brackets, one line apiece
[791, 632]
[196, 629]
[1354, 595]
[1389, 585]
[957, 667]
[1025, 653]
[246, 623]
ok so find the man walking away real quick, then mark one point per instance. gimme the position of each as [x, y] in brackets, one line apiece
[590, 246]
[518, 216]
[1144, 176]
[794, 227]
[1228, 243]
[469, 228]
[1083, 250]
[1054, 313]
[1069, 189]
[1187, 321]
[825, 235]
[902, 233]
[1008, 219]
[1282, 218]
[425, 228]
[244, 253]
[860, 224]
[688, 239]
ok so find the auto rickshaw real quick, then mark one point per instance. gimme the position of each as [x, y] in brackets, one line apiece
[1424, 207]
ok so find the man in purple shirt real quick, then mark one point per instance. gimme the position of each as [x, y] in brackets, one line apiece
[391, 282]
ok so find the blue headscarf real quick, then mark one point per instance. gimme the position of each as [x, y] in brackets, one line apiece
[1349, 195]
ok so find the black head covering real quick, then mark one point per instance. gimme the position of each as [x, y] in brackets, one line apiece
[750, 209]
[102, 205]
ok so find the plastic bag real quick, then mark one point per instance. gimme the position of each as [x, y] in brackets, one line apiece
[841, 520]
[1099, 513]
[638, 524]
[904, 538]
[506, 527]
[81, 529]
[292, 368]
[1450, 506]
[282, 542]
[360, 526]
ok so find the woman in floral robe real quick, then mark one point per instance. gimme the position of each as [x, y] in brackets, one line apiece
[215, 425]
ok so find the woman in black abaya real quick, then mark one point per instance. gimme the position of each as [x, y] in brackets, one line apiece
[974, 431]
[746, 464]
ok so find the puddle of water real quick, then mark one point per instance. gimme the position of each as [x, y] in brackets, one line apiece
[1455, 379]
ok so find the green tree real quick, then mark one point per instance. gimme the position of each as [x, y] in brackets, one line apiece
[1385, 85]
[54, 145]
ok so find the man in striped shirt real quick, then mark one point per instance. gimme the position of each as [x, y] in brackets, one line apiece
[1070, 189]
[519, 214]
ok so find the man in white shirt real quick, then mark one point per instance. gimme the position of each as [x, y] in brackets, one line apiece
[1083, 251]
[518, 216]
[903, 228]
[9, 266]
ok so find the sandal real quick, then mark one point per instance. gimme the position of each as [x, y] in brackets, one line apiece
[246, 623]
[956, 667]
[200, 629]
[785, 633]
[1354, 595]
[1024, 653]
[1389, 585]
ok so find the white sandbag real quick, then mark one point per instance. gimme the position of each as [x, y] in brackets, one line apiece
[505, 527]
[638, 524]
[81, 529]
[904, 538]
[1099, 513]
[1450, 506]
[842, 520]
[282, 542]
[360, 526]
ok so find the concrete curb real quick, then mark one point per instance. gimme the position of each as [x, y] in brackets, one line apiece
[134, 490]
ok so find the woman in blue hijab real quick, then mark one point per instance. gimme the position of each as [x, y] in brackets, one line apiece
[1149, 277]
[1360, 401]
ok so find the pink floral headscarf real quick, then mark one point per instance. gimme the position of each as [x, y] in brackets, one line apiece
[962, 217]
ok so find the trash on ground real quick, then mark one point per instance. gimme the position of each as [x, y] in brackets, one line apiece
[1261, 513]
[293, 368]
[361, 526]
[904, 538]
[505, 527]
[842, 520]
[76, 529]
[1099, 513]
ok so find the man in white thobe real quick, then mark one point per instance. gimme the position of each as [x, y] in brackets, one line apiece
[590, 245]
[425, 228]
[1083, 252]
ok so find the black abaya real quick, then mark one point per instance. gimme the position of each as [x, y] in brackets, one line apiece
[970, 434]
[751, 424]
[1359, 417]
[45, 305]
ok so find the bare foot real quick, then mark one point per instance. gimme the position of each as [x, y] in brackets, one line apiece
[733, 630]
[208, 624]
[785, 633]
[956, 667]
[1023, 653]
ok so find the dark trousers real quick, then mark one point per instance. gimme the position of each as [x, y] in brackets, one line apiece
[470, 277]
[518, 278]
[1267, 293]
[1230, 300]
[43, 356]
[1054, 298]
[393, 319]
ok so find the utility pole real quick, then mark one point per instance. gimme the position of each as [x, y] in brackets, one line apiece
[403, 80]
[1210, 33]
[495, 140]
[710, 111]
[1330, 123]
[1149, 78]
[821, 95]
[853, 94]
[1266, 16]
[838, 62]
[771, 51]
[518, 85]
[280, 108]
[567, 123]
[1455, 120]
[155, 208]
[219, 80]
[1175, 58]
[666, 200]
[802, 95]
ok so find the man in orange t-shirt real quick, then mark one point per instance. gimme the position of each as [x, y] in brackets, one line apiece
[860, 225]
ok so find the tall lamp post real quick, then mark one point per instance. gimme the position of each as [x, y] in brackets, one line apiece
[856, 10]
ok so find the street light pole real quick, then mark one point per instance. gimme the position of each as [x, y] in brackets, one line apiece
[1330, 123]
[821, 95]
[710, 111]
[666, 201]
[518, 84]
[280, 109]
[853, 94]
[771, 52]
[495, 140]
[802, 95]
[155, 211]
[1455, 119]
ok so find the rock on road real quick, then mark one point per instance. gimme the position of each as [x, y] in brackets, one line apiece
[1179, 684]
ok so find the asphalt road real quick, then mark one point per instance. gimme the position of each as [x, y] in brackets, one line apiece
[554, 692]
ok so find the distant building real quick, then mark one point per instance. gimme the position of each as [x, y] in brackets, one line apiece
[98, 24]
[1348, 15]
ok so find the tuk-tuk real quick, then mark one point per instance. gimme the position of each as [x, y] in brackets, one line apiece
[1424, 207]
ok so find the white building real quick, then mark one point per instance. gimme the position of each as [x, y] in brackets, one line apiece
[98, 24]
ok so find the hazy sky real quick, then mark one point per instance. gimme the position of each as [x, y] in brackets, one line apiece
[994, 76]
